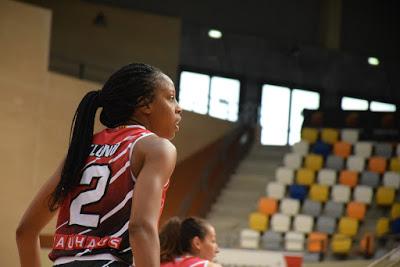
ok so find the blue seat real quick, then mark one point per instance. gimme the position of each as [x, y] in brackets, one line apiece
[298, 191]
[321, 148]
[395, 226]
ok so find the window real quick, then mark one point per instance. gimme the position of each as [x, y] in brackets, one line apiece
[224, 98]
[213, 95]
[274, 115]
[380, 106]
[300, 100]
[350, 103]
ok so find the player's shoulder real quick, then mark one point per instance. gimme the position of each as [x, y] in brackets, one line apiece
[155, 145]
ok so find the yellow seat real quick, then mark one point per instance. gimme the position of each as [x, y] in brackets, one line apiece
[314, 162]
[395, 164]
[305, 176]
[319, 192]
[395, 211]
[330, 135]
[348, 226]
[309, 134]
[341, 244]
[382, 226]
[385, 196]
[258, 221]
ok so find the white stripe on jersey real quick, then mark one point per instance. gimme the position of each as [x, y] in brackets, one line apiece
[120, 171]
[108, 263]
[118, 207]
[121, 231]
[200, 262]
[61, 225]
[105, 256]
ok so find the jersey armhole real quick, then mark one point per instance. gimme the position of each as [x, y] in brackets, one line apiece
[131, 150]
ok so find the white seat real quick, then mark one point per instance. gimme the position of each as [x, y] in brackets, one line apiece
[363, 194]
[294, 241]
[356, 163]
[249, 238]
[293, 160]
[327, 177]
[275, 190]
[280, 222]
[290, 206]
[363, 149]
[341, 193]
[349, 135]
[303, 223]
[301, 147]
[391, 179]
[284, 175]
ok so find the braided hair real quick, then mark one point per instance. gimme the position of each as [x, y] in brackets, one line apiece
[127, 89]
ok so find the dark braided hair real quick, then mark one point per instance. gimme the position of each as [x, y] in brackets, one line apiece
[130, 87]
[176, 236]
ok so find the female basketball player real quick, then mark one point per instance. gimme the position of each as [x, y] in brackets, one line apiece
[110, 189]
[191, 242]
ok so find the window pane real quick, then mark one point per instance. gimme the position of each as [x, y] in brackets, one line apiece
[274, 115]
[350, 103]
[194, 90]
[224, 98]
[380, 106]
[300, 100]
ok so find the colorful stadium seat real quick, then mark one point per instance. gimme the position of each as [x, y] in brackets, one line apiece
[292, 161]
[321, 148]
[317, 242]
[363, 194]
[395, 211]
[271, 240]
[258, 221]
[382, 226]
[327, 177]
[312, 208]
[319, 192]
[305, 176]
[329, 135]
[395, 164]
[377, 164]
[391, 179]
[280, 222]
[333, 209]
[348, 226]
[249, 238]
[313, 162]
[349, 135]
[298, 191]
[267, 205]
[383, 150]
[341, 193]
[309, 134]
[284, 175]
[348, 177]
[356, 210]
[363, 149]
[342, 149]
[301, 148]
[294, 241]
[341, 244]
[356, 163]
[370, 179]
[275, 190]
[303, 223]
[385, 196]
[395, 226]
[334, 163]
[326, 225]
[290, 206]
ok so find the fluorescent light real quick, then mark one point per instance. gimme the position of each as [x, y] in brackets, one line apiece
[373, 61]
[215, 34]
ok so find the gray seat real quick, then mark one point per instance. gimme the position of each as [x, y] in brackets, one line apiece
[311, 257]
[272, 240]
[383, 150]
[335, 163]
[369, 178]
[326, 225]
[312, 208]
[333, 209]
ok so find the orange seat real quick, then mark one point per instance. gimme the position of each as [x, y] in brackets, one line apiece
[367, 244]
[349, 178]
[377, 164]
[317, 242]
[342, 149]
[267, 205]
[356, 210]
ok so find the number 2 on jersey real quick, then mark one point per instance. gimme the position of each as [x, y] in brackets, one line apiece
[100, 172]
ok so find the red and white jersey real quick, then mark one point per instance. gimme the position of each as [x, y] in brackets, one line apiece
[93, 218]
[186, 261]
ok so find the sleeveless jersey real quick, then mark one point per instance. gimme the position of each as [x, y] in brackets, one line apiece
[93, 218]
[186, 261]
